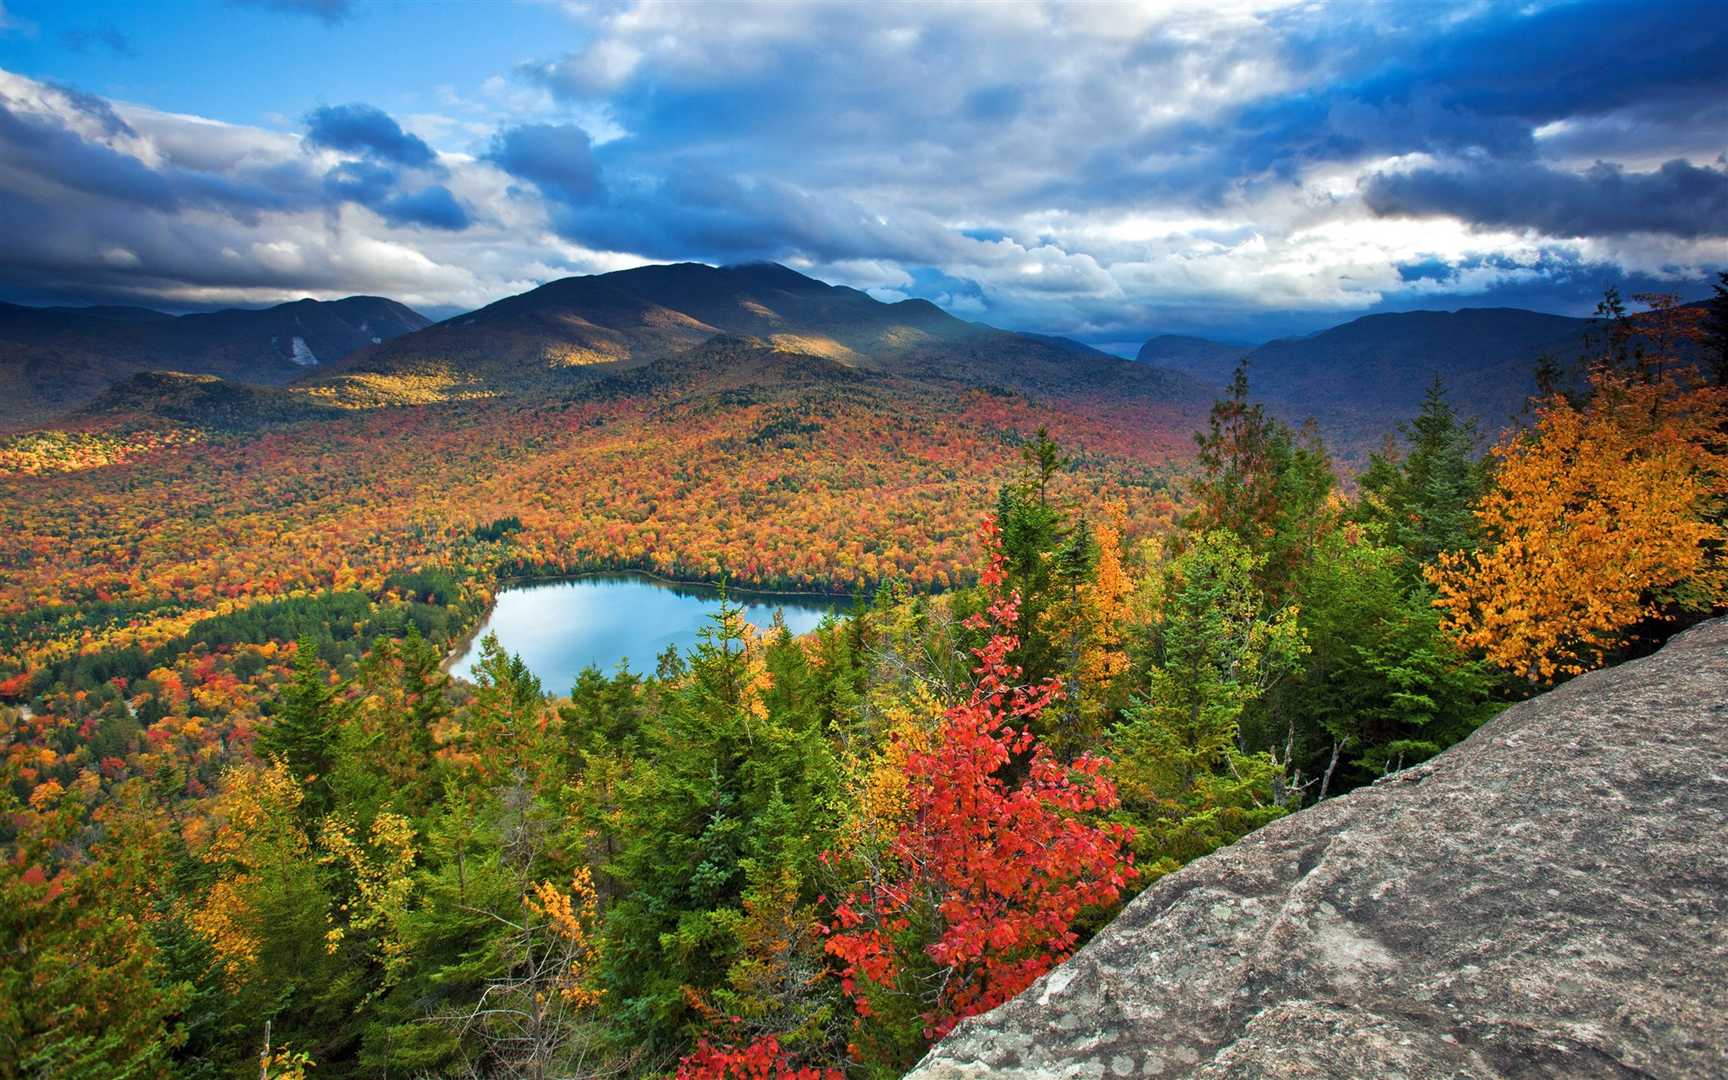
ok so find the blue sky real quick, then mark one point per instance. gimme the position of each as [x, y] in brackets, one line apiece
[1240, 168]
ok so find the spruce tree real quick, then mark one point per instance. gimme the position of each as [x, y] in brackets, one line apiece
[302, 731]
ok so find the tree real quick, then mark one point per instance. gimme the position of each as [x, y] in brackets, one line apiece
[1187, 784]
[1602, 516]
[1716, 330]
[730, 767]
[389, 744]
[1262, 481]
[989, 874]
[1383, 686]
[508, 715]
[1424, 503]
[82, 992]
[302, 732]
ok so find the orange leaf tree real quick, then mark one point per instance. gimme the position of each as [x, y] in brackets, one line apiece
[1606, 514]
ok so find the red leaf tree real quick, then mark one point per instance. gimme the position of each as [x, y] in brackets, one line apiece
[997, 860]
[761, 1060]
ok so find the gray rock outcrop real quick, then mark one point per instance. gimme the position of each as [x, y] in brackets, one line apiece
[1545, 899]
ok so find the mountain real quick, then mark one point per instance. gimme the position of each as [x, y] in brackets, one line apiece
[1357, 378]
[1203, 358]
[1465, 917]
[55, 359]
[568, 332]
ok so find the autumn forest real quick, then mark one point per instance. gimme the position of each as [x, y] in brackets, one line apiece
[251, 824]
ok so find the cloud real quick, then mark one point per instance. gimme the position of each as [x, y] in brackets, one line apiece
[432, 206]
[360, 128]
[88, 39]
[331, 11]
[1679, 198]
[377, 187]
[107, 202]
[1097, 170]
[557, 158]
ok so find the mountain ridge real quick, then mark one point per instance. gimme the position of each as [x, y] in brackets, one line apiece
[1354, 376]
[54, 360]
[555, 337]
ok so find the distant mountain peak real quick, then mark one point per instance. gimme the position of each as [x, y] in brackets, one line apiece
[55, 359]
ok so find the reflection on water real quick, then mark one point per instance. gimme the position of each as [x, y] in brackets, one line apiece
[561, 627]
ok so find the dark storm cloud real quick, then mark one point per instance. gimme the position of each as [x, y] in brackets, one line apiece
[366, 129]
[1490, 83]
[1679, 199]
[557, 158]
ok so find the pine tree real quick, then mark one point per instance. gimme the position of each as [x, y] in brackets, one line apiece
[1424, 504]
[1263, 481]
[1186, 783]
[302, 732]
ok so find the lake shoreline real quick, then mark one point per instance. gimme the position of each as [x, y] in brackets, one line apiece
[466, 641]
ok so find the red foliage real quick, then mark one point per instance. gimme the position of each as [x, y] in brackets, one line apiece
[15, 686]
[761, 1060]
[995, 844]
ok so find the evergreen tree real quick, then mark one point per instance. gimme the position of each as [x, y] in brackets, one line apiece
[1383, 686]
[1425, 503]
[1187, 785]
[723, 758]
[505, 719]
[1262, 481]
[1716, 330]
[302, 732]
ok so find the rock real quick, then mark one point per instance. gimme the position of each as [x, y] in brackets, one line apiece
[1545, 899]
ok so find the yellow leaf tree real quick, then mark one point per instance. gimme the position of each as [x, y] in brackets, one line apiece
[1605, 514]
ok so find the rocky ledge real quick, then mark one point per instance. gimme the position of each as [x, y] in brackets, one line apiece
[1545, 899]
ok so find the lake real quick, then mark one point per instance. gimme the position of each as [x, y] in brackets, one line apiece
[561, 627]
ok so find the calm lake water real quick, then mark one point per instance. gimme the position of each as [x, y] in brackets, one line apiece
[560, 627]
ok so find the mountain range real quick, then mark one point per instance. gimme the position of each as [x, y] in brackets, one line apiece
[55, 359]
[568, 332]
[596, 334]
[1364, 373]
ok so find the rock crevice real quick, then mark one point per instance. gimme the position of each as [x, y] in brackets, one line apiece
[1545, 899]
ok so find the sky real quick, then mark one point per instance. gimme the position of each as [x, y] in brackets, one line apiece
[1240, 169]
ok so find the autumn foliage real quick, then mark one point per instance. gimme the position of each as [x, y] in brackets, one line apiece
[996, 857]
[760, 1060]
[1604, 514]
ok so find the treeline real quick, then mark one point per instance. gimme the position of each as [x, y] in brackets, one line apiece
[809, 857]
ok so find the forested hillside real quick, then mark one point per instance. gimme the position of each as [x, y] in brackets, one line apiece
[251, 824]
[53, 360]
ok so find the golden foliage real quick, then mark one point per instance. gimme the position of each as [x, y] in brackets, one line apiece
[573, 918]
[1104, 601]
[1604, 515]
[382, 871]
[250, 829]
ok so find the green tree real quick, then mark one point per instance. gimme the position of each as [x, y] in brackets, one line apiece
[1263, 481]
[1383, 686]
[731, 762]
[303, 727]
[1716, 330]
[1423, 502]
[1187, 785]
[504, 721]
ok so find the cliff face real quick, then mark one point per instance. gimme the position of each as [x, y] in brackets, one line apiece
[1546, 899]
